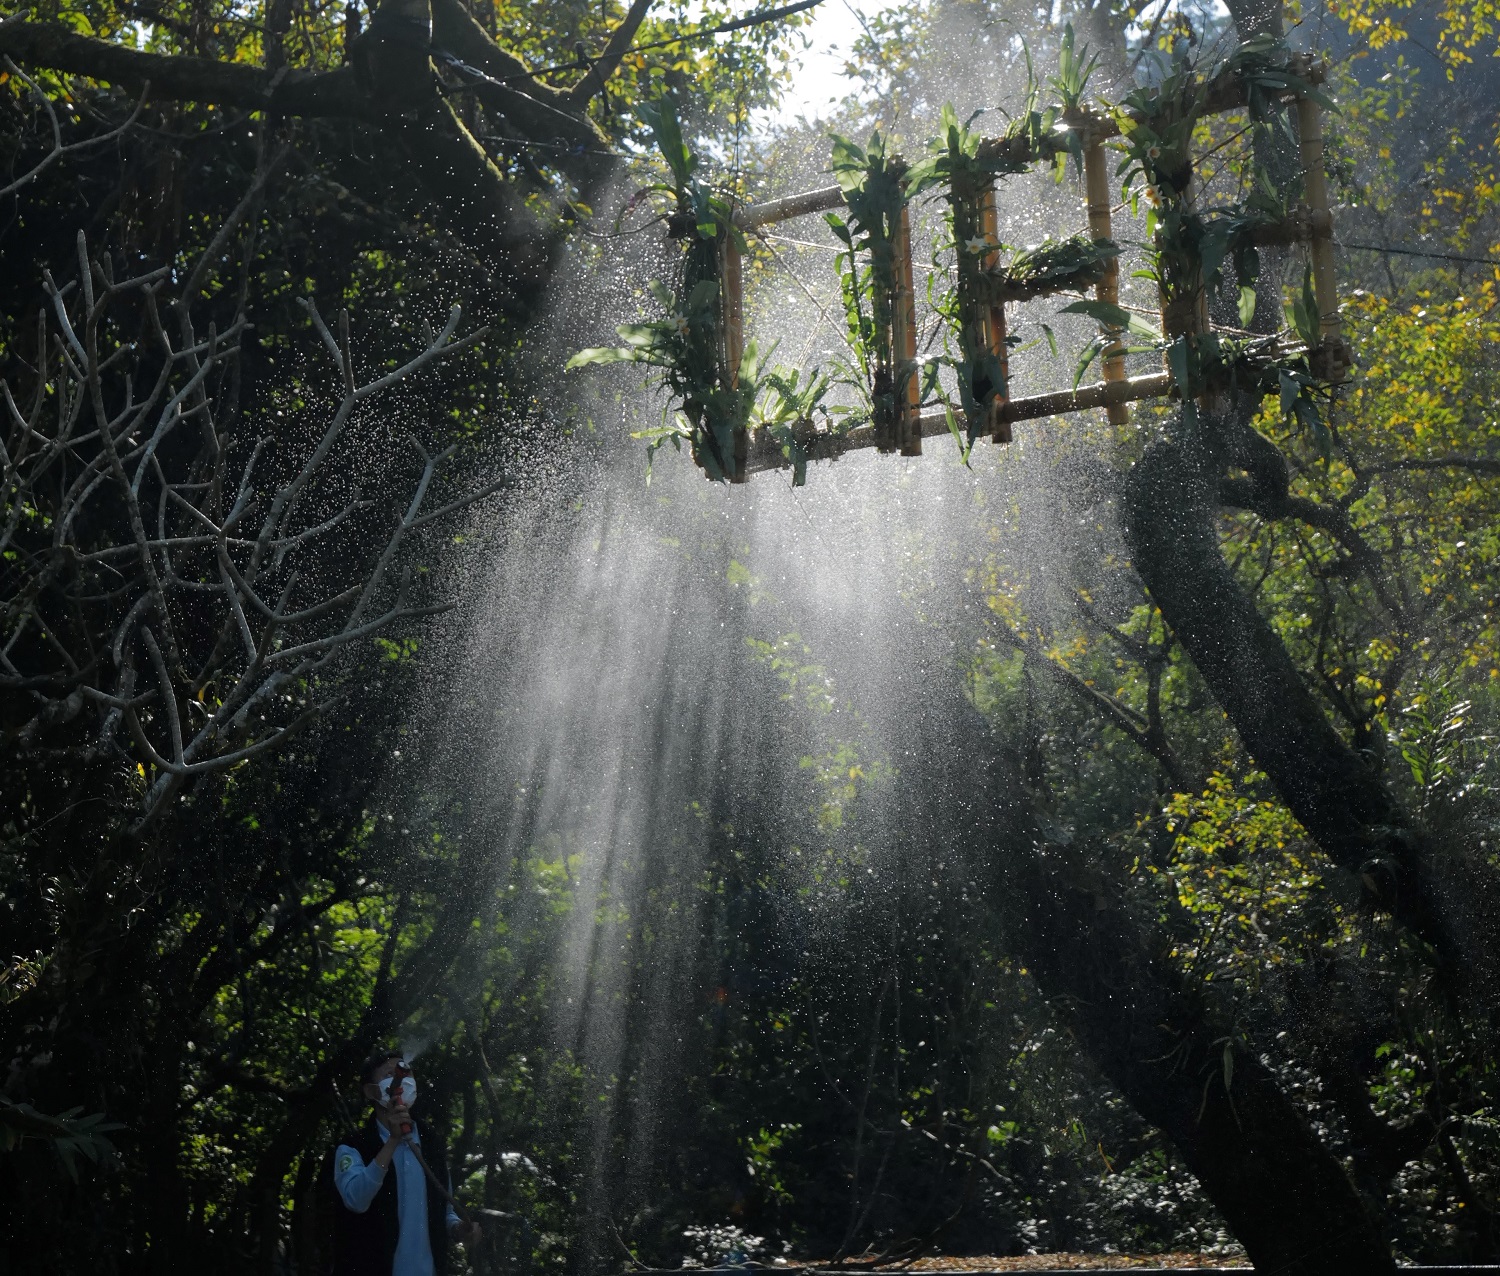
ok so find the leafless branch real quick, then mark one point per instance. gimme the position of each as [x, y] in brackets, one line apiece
[615, 50]
[59, 148]
[118, 559]
[1142, 729]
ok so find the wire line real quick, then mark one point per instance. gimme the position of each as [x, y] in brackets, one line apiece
[1416, 252]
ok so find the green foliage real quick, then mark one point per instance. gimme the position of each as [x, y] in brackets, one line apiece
[1054, 265]
[1074, 70]
[787, 408]
[714, 402]
[687, 346]
[874, 187]
[68, 1134]
[1247, 875]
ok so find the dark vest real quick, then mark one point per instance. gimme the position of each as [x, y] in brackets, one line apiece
[365, 1244]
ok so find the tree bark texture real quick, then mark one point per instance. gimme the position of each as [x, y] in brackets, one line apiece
[428, 140]
[1283, 1193]
[1447, 897]
[1107, 971]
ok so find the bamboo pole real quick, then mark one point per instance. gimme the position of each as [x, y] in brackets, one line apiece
[1101, 394]
[904, 341]
[1226, 93]
[1096, 187]
[732, 303]
[765, 453]
[823, 200]
[989, 221]
[1315, 182]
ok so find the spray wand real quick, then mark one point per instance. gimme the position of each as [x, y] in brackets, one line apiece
[398, 1083]
[398, 1076]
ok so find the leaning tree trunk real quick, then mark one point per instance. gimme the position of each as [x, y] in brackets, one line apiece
[1107, 973]
[1283, 1193]
[1446, 897]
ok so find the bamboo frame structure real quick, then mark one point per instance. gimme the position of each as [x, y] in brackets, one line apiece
[1181, 316]
[1225, 94]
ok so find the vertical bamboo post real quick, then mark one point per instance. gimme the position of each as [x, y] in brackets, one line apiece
[1186, 313]
[886, 318]
[732, 303]
[1096, 187]
[989, 221]
[904, 326]
[1315, 182]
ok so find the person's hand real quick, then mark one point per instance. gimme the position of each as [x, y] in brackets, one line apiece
[468, 1233]
[391, 1118]
[397, 1115]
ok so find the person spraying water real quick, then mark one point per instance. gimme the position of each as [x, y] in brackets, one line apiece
[394, 1224]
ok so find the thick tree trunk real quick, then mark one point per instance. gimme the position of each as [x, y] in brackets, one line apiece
[1282, 1192]
[1108, 974]
[476, 202]
[1171, 507]
[395, 94]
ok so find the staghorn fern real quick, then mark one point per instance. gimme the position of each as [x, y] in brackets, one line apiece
[1054, 265]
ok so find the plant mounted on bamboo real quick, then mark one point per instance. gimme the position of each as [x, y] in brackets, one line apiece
[712, 384]
[1187, 249]
[1053, 266]
[975, 340]
[1156, 131]
[871, 267]
[719, 390]
[786, 409]
[967, 167]
[1074, 70]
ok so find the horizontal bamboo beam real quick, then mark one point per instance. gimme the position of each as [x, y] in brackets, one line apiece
[1101, 394]
[1225, 93]
[788, 206]
[765, 452]
[1302, 225]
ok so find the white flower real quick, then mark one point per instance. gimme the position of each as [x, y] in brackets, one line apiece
[679, 324]
[978, 245]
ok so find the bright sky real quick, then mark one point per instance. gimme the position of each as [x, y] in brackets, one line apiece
[817, 81]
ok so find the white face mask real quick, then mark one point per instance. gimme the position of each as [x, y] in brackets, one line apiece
[407, 1094]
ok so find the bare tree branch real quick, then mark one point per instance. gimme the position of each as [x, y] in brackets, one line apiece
[203, 600]
[1143, 730]
[59, 150]
[1451, 461]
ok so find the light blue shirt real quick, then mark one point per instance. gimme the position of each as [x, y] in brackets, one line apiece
[358, 1182]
